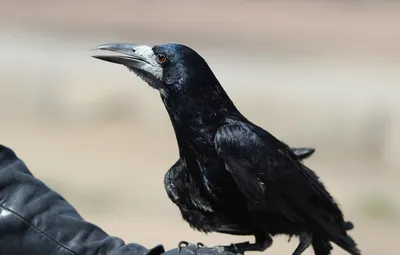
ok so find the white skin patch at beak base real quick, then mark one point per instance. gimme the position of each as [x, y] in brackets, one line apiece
[147, 53]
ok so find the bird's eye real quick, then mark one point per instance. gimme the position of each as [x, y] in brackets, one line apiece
[161, 58]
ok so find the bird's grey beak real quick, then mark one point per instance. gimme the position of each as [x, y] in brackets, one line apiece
[139, 59]
[128, 56]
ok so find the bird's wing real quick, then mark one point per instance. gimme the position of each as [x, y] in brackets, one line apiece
[174, 181]
[182, 190]
[271, 177]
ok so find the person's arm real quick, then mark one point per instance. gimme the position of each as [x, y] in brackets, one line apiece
[37, 220]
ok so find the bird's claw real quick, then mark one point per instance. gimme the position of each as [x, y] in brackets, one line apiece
[182, 244]
[199, 245]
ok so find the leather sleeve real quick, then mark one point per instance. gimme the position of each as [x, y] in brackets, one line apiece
[36, 220]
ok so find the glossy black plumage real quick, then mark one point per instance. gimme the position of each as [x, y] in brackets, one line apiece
[232, 176]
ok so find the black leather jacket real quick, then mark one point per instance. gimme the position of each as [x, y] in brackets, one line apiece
[36, 220]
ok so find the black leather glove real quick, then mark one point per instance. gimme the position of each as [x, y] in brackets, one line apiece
[36, 220]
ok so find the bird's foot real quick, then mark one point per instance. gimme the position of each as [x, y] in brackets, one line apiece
[305, 242]
[237, 248]
[199, 245]
[182, 244]
[261, 244]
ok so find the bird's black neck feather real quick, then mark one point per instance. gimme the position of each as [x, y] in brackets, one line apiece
[197, 110]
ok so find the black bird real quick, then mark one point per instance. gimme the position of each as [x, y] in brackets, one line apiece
[232, 176]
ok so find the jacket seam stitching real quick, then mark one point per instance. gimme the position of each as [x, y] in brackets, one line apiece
[38, 230]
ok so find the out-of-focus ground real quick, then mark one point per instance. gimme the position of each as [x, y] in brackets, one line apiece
[314, 73]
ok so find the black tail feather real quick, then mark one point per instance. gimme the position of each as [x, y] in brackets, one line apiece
[303, 153]
[347, 243]
[348, 225]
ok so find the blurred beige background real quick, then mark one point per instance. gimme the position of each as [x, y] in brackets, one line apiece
[314, 73]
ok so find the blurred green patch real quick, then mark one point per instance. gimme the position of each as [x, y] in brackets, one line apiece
[380, 206]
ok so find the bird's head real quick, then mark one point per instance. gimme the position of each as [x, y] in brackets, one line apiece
[167, 66]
